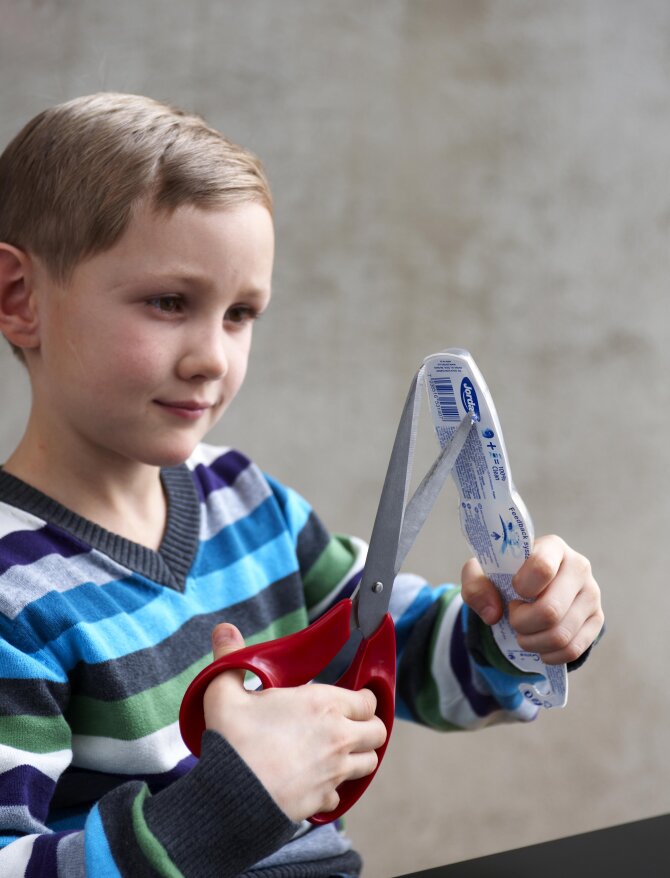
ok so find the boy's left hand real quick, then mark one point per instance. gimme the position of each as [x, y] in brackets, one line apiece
[565, 615]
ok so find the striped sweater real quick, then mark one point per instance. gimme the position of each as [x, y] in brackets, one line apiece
[100, 636]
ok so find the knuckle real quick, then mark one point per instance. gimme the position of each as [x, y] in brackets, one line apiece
[542, 568]
[572, 651]
[550, 614]
[369, 701]
[330, 801]
[340, 739]
[561, 639]
[583, 566]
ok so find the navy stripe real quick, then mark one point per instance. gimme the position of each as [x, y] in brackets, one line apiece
[25, 785]
[221, 473]
[43, 861]
[482, 704]
[23, 547]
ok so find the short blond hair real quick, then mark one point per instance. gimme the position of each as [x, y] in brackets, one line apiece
[71, 176]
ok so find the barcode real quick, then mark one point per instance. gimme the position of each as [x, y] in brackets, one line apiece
[443, 392]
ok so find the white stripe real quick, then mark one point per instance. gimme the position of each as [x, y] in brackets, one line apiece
[51, 764]
[15, 857]
[454, 706]
[205, 454]
[405, 589]
[232, 503]
[21, 585]
[361, 552]
[13, 519]
[152, 754]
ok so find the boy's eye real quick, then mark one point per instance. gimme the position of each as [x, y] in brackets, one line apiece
[241, 314]
[166, 304]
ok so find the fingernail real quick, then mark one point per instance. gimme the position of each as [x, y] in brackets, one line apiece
[222, 636]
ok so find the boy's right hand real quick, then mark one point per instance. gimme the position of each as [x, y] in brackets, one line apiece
[301, 742]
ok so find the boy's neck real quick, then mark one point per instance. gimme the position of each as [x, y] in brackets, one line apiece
[126, 498]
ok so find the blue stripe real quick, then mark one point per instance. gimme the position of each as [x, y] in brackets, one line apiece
[51, 615]
[423, 599]
[99, 859]
[72, 822]
[236, 540]
[116, 635]
[296, 510]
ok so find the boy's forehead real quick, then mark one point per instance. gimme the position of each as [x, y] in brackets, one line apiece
[190, 244]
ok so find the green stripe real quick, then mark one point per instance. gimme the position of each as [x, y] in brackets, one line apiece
[492, 652]
[288, 624]
[38, 734]
[428, 698]
[147, 712]
[152, 849]
[329, 568]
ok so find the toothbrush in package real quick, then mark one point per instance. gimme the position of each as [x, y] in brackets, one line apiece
[494, 518]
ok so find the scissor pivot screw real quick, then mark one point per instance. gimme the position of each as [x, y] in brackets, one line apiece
[377, 587]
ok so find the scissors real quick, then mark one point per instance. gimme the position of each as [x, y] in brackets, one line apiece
[360, 626]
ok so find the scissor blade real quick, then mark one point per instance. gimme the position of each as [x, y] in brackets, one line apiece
[389, 546]
[374, 593]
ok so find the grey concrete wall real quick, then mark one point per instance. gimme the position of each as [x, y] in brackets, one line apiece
[490, 175]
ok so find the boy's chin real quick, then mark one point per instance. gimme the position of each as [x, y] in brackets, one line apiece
[175, 455]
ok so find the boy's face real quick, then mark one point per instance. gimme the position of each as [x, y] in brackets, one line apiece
[145, 347]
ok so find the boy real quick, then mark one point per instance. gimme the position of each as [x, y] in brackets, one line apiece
[136, 253]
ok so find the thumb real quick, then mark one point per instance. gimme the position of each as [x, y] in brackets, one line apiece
[226, 638]
[479, 593]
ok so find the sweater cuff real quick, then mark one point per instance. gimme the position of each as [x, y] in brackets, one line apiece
[218, 819]
[486, 653]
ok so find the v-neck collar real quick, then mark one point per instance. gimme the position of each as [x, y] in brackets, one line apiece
[168, 566]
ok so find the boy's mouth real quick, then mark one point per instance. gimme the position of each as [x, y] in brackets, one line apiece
[189, 409]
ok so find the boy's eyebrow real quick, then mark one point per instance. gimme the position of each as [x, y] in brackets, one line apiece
[171, 279]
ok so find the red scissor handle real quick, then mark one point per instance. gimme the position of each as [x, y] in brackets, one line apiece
[298, 658]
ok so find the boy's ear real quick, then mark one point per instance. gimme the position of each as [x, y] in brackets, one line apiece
[18, 307]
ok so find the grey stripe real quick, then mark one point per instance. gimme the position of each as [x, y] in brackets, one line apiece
[249, 492]
[169, 566]
[17, 818]
[20, 586]
[70, 856]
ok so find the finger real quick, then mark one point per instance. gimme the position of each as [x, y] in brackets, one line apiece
[540, 568]
[359, 705]
[579, 644]
[548, 610]
[479, 593]
[368, 736]
[565, 640]
[361, 764]
[226, 638]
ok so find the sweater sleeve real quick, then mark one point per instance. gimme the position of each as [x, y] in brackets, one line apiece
[213, 822]
[450, 675]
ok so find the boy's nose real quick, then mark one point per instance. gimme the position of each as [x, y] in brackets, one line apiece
[205, 357]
